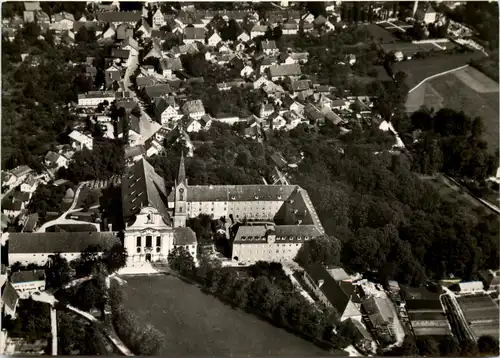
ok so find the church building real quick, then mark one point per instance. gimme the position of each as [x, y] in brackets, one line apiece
[149, 235]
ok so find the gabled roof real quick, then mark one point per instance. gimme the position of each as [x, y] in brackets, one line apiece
[79, 137]
[300, 85]
[157, 90]
[63, 16]
[129, 41]
[21, 170]
[119, 16]
[32, 6]
[143, 81]
[53, 242]
[31, 223]
[193, 106]
[142, 186]
[52, 157]
[285, 70]
[119, 53]
[9, 296]
[268, 45]
[312, 112]
[338, 293]
[194, 33]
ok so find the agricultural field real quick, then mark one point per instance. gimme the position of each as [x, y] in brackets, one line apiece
[465, 90]
[197, 324]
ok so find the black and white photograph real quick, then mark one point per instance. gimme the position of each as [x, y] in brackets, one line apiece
[250, 178]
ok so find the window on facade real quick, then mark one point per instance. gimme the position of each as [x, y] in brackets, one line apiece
[149, 241]
[138, 241]
[158, 241]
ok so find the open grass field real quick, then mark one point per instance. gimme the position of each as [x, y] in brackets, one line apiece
[197, 324]
[420, 69]
[465, 90]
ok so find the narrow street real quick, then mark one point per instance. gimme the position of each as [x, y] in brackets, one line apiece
[53, 324]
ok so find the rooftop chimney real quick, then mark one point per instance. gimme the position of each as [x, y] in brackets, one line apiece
[109, 227]
[320, 283]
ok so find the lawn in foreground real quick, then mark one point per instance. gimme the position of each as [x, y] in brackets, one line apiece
[195, 323]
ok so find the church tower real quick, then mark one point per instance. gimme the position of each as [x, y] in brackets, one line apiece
[180, 213]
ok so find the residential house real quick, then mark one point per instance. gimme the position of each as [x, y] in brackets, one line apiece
[247, 71]
[39, 248]
[109, 33]
[472, 287]
[131, 45]
[112, 74]
[169, 65]
[12, 206]
[194, 109]
[222, 47]
[155, 51]
[339, 295]
[18, 174]
[339, 104]
[123, 55]
[361, 337]
[381, 314]
[42, 18]
[9, 300]
[206, 121]
[319, 21]
[261, 81]
[281, 71]
[294, 57]
[193, 125]
[159, 19]
[62, 21]
[124, 31]
[30, 185]
[164, 111]
[145, 29]
[313, 114]
[193, 34]
[291, 105]
[266, 109]
[243, 36]
[308, 18]
[28, 282]
[91, 73]
[238, 47]
[258, 30]
[119, 17]
[331, 115]
[307, 27]
[297, 86]
[80, 140]
[214, 40]
[267, 62]
[94, 98]
[428, 15]
[277, 121]
[293, 119]
[269, 47]
[155, 91]
[290, 28]
[491, 280]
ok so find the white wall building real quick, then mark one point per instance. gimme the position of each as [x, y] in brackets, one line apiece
[27, 282]
[80, 140]
[92, 99]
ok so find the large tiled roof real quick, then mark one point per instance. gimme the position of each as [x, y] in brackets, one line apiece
[141, 186]
[117, 16]
[53, 242]
[195, 33]
[285, 70]
[27, 276]
[9, 296]
[240, 192]
[157, 90]
[339, 294]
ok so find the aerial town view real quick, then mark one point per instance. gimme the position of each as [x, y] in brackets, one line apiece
[250, 178]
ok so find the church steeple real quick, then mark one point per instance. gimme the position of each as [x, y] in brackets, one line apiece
[182, 171]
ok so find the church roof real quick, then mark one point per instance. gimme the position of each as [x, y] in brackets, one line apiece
[142, 186]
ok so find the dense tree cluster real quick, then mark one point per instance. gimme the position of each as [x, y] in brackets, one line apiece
[386, 217]
[32, 321]
[102, 162]
[265, 289]
[141, 340]
[456, 137]
[78, 336]
[224, 159]
[48, 198]
[36, 93]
